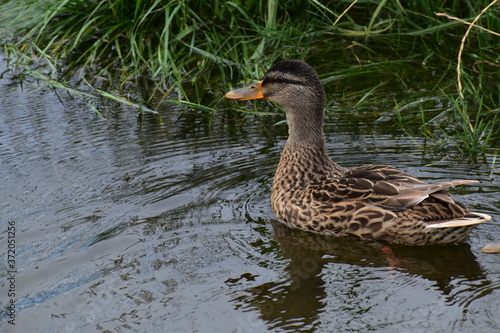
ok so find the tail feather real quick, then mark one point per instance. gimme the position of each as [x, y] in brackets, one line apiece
[470, 219]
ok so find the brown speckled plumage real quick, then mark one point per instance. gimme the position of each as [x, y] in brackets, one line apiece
[379, 202]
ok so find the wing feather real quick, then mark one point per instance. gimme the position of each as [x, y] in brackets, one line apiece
[383, 186]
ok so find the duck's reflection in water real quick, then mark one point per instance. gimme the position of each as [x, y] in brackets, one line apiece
[297, 300]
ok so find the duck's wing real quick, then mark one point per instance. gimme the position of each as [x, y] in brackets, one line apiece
[383, 186]
[363, 200]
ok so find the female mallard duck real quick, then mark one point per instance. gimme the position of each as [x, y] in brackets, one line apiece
[377, 202]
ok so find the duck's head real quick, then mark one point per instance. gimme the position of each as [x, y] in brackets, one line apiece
[295, 86]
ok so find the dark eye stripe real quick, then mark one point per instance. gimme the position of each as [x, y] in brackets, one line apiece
[282, 80]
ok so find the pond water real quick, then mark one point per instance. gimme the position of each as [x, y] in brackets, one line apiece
[162, 223]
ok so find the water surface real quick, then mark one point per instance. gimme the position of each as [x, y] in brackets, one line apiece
[162, 223]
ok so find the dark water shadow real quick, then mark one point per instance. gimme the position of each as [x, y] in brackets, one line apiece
[296, 302]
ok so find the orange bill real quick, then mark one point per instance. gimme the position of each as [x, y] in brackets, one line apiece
[251, 92]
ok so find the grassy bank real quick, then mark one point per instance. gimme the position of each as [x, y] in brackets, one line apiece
[149, 51]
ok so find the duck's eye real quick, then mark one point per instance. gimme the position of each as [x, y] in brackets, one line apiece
[280, 79]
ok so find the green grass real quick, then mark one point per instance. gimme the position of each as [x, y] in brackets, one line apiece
[149, 52]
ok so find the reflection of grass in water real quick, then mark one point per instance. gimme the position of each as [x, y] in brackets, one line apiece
[179, 47]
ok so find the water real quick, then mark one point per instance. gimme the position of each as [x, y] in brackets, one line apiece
[163, 224]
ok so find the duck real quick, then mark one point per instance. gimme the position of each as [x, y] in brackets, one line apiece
[373, 202]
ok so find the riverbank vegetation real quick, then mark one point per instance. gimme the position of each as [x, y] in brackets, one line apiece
[149, 52]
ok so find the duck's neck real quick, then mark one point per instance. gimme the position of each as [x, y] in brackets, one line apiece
[307, 164]
[304, 160]
[306, 130]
